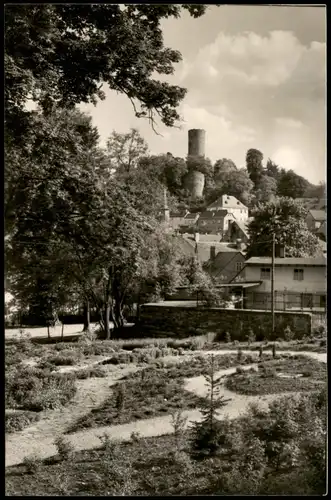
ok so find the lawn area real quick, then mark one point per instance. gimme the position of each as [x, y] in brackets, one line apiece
[279, 375]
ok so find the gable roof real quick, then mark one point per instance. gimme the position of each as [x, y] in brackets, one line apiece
[318, 215]
[226, 201]
[214, 214]
[192, 216]
[288, 261]
[179, 214]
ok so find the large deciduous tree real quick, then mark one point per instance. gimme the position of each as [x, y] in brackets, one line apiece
[291, 184]
[125, 150]
[254, 165]
[60, 54]
[286, 220]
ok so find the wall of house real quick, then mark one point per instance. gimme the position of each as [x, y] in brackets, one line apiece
[215, 225]
[181, 321]
[223, 274]
[314, 278]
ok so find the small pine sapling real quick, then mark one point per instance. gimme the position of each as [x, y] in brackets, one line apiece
[120, 398]
[288, 334]
[207, 435]
[239, 355]
[261, 352]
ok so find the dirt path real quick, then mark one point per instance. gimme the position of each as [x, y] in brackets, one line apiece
[38, 439]
[91, 393]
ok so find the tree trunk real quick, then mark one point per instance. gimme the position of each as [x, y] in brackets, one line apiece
[106, 321]
[48, 334]
[62, 332]
[87, 315]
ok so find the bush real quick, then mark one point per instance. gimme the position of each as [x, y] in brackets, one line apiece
[37, 390]
[64, 448]
[227, 337]
[18, 421]
[32, 464]
[288, 334]
[62, 360]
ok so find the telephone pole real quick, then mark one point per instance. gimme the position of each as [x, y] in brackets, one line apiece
[273, 283]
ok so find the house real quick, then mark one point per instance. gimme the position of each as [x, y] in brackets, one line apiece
[216, 221]
[224, 265]
[315, 219]
[237, 230]
[189, 220]
[232, 205]
[176, 219]
[299, 283]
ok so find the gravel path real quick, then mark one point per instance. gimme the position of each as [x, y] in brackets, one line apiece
[39, 438]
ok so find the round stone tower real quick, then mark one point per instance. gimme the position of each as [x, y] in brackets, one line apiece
[195, 180]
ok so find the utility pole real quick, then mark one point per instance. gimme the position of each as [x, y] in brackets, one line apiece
[273, 283]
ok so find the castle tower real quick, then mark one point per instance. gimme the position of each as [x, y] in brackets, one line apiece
[195, 180]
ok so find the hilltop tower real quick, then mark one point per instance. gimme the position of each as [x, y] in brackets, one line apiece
[195, 180]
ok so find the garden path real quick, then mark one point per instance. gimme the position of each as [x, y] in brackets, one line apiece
[38, 439]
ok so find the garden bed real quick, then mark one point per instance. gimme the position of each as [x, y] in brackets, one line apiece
[297, 374]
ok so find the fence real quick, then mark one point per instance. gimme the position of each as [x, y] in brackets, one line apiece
[286, 301]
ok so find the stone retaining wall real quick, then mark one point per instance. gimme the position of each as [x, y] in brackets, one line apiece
[164, 320]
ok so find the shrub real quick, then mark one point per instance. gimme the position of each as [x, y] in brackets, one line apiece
[31, 463]
[64, 448]
[19, 421]
[62, 360]
[134, 437]
[178, 422]
[239, 355]
[288, 334]
[227, 337]
[120, 398]
[251, 336]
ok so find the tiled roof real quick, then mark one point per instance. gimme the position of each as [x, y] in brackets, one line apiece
[289, 261]
[318, 215]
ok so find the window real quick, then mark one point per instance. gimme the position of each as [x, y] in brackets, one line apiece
[239, 266]
[265, 273]
[298, 274]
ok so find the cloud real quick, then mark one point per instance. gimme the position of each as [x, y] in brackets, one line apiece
[273, 85]
[288, 122]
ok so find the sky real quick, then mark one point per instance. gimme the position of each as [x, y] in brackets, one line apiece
[256, 78]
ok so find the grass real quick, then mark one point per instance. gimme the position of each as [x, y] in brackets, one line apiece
[152, 392]
[266, 379]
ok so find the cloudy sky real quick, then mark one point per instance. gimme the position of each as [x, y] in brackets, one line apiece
[256, 79]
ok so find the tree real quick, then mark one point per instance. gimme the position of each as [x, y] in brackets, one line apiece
[124, 150]
[235, 183]
[62, 55]
[286, 220]
[265, 189]
[207, 435]
[254, 165]
[272, 170]
[223, 166]
[199, 282]
[167, 169]
[291, 184]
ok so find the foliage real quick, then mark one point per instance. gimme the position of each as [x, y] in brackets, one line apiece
[234, 183]
[265, 189]
[125, 150]
[254, 165]
[60, 54]
[64, 448]
[36, 390]
[207, 435]
[291, 184]
[178, 422]
[199, 282]
[286, 220]
[18, 421]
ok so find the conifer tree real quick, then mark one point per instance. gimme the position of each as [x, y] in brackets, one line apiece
[208, 435]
